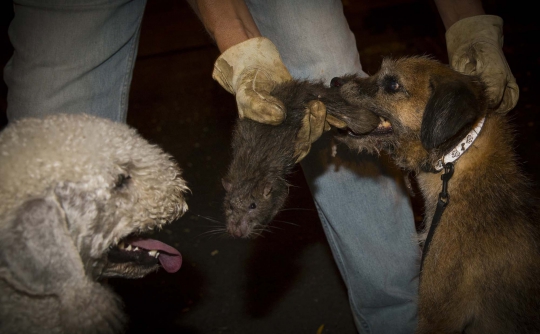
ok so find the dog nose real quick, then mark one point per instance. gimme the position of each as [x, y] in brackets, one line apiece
[336, 82]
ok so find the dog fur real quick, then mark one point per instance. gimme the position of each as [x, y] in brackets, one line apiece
[71, 188]
[481, 273]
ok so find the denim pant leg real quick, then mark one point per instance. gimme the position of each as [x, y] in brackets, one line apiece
[364, 209]
[72, 56]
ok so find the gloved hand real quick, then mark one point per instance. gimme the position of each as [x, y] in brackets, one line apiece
[475, 47]
[250, 70]
[312, 130]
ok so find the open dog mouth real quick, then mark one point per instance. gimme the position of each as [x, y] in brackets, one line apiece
[383, 128]
[146, 252]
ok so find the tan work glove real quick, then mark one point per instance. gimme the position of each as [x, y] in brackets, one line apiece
[250, 70]
[475, 47]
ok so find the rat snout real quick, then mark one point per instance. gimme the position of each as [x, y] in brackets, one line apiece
[240, 228]
[337, 82]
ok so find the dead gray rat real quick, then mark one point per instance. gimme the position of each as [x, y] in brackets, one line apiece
[264, 155]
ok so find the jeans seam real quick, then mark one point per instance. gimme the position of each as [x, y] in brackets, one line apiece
[130, 64]
[339, 258]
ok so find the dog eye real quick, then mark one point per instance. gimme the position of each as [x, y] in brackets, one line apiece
[252, 206]
[391, 84]
[122, 180]
[337, 82]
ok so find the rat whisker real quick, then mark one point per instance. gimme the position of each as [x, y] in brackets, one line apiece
[296, 209]
[258, 234]
[213, 232]
[274, 227]
[286, 222]
[259, 231]
[207, 218]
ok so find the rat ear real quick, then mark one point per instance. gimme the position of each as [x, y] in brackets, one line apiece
[226, 184]
[455, 105]
[267, 190]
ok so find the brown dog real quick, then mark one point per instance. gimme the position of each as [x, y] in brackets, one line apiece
[481, 273]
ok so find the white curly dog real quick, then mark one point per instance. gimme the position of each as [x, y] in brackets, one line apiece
[76, 192]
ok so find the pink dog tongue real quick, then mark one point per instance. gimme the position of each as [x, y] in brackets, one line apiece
[169, 257]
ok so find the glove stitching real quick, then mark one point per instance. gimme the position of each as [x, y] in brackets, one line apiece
[252, 84]
[223, 79]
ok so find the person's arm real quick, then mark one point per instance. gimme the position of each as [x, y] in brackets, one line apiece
[228, 22]
[250, 67]
[452, 11]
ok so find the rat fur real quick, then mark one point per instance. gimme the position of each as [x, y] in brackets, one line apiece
[264, 155]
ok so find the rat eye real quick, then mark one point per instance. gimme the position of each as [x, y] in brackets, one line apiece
[122, 180]
[252, 206]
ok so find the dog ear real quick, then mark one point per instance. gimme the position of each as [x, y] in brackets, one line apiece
[39, 259]
[37, 253]
[455, 105]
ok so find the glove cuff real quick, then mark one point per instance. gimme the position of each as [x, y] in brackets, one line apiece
[255, 53]
[487, 28]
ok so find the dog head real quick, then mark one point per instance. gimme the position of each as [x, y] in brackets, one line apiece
[77, 194]
[108, 186]
[425, 109]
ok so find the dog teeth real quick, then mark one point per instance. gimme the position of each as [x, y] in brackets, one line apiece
[384, 123]
[122, 246]
[154, 253]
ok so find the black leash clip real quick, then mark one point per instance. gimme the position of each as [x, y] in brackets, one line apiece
[447, 175]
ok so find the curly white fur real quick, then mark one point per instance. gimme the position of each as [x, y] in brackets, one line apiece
[72, 187]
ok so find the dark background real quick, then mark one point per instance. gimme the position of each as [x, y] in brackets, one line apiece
[285, 281]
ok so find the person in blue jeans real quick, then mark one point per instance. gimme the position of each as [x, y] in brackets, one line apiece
[75, 56]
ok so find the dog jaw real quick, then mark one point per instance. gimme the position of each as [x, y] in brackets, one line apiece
[399, 93]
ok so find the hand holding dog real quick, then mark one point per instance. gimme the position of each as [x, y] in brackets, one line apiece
[475, 47]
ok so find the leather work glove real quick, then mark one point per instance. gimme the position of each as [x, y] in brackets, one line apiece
[250, 70]
[314, 123]
[475, 47]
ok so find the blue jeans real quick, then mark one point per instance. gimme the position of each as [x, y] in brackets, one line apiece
[364, 209]
[81, 58]
[72, 56]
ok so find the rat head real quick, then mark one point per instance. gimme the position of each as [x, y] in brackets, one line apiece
[250, 205]
[425, 108]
